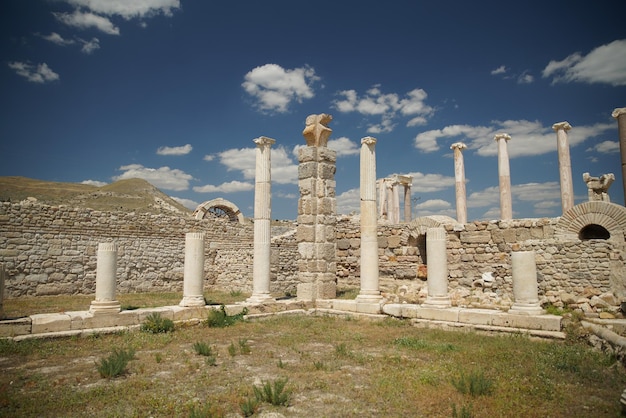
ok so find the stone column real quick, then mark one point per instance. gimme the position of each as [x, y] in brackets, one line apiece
[262, 226]
[193, 279]
[504, 174]
[407, 199]
[369, 239]
[382, 193]
[395, 199]
[437, 276]
[2, 279]
[525, 293]
[565, 165]
[459, 184]
[106, 272]
[620, 115]
[317, 212]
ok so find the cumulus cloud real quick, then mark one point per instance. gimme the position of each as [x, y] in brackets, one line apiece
[525, 78]
[275, 88]
[604, 64]
[227, 187]
[87, 20]
[188, 203]
[94, 183]
[545, 195]
[387, 106]
[435, 207]
[284, 169]
[39, 73]
[128, 9]
[527, 137]
[344, 146]
[427, 183]
[500, 70]
[605, 147]
[182, 150]
[162, 177]
[208, 157]
[349, 202]
[57, 39]
[89, 46]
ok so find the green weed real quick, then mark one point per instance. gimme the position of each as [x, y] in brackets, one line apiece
[476, 384]
[220, 319]
[249, 407]
[156, 324]
[273, 393]
[115, 364]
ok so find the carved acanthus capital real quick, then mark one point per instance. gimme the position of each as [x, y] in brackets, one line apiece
[263, 141]
[506, 137]
[316, 132]
[562, 126]
[368, 140]
[619, 111]
[458, 145]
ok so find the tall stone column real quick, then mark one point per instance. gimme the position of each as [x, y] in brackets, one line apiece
[620, 115]
[525, 293]
[395, 201]
[565, 165]
[369, 224]
[408, 180]
[2, 279]
[459, 182]
[437, 278]
[504, 174]
[106, 272]
[262, 219]
[193, 279]
[317, 212]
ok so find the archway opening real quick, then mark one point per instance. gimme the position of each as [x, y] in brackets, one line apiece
[594, 231]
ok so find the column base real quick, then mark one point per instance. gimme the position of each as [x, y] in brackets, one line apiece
[437, 302]
[105, 306]
[369, 296]
[260, 298]
[189, 301]
[526, 309]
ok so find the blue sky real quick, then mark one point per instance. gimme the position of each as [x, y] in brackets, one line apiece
[175, 92]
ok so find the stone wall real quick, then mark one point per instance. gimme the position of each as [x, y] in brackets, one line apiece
[49, 250]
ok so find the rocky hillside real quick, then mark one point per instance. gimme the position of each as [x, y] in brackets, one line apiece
[132, 195]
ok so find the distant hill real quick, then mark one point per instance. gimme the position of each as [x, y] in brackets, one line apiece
[132, 195]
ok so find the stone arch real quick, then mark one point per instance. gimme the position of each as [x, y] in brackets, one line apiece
[597, 214]
[219, 208]
[418, 226]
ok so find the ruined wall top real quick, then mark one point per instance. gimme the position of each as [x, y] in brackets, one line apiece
[316, 132]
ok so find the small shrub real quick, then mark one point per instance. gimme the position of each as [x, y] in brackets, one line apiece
[202, 348]
[281, 365]
[273, 393]
[342, 350]
[232, 350]
[158, 357]
[156, 324]
[249, 407]
[220, 319]
[465, 412]
[115, 364]
[244, 347]
[205, 411]
[319, 365]
[476, 384]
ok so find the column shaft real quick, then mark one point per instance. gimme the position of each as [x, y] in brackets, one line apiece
[506, 205]
[620, 115]
[525, 292]
[407, 203]
[459, 184]
[193, 279]
[565, 165]
[106, 272]
[437, 279]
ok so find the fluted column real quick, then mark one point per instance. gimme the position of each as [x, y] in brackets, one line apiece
[106, 272]
[262, 217]
[525, 292]
[437, 276]
[620, 115]
[369, 239]
[193, 278]
[565, 165]
[504, 174]
[459, 182]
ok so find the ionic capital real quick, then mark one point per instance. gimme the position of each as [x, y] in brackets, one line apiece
[506, 137]
[263, 140]
[368, 140]
[458, 145]
[562, 126]
[619, 111]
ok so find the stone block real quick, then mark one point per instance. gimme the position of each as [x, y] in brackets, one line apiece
[537, 322]
[15, 327]
[368, 308]
[438, 314]
[305, 291]
[55, 322]
[393, 309]
[475, 237]
[345, 305]
[326, 290]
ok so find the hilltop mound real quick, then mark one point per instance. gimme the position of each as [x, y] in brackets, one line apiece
[132, 195]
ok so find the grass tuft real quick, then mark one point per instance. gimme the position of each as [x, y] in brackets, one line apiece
[115, 364]
[156, 324]
[249, 407]
[220, 319]
[273, 393]
[476, 384]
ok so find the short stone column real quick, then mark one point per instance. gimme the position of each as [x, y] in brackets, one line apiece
[193, 280]
[2, 280]
[459, 182]
[106, 276]
[504, 174]
[620, 115]
[437, 263]
[565, 165]
[262, 219]
[525, 293]
[369, 239]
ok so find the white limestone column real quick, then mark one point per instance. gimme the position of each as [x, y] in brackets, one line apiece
[382, 202]
[459, 177]
[193, 280]
[437, 263]
[262, 227]
[504, 174]
[106, 272]
[407, 203]
[525, 293]
[620, 115]
[565, 165]
[369, 239]
[395, 202]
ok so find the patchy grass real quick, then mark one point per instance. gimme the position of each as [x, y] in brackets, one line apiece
[334, 367]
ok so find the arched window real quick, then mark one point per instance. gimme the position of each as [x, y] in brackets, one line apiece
[594, 231]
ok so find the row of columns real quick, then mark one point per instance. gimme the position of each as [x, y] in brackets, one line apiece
[390, 198]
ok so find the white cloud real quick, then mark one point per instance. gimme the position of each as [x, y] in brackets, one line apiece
[525, 78]
[36, 74]
[605, 64]
[90, 46]
[208, 157]
[388, 106]
[527, 137]
[182, 150]
[86, 20]
[228, 187]
[162, 177]
[94, 183]
[188, 203]
[485, 197]
[546, 195]
[500, 70]
[428, 183]
[275, 88]
[605, 147]
[128, 9]
[349, 202]
[284, 170]
[57, 39]
[433, 204]
[344, 146]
